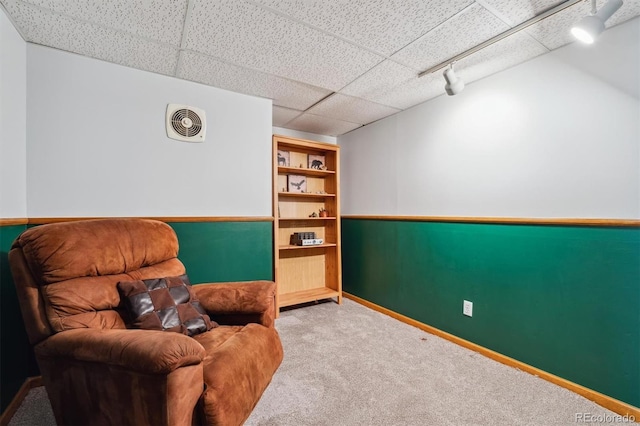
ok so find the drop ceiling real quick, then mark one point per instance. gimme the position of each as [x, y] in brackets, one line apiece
[330, 66]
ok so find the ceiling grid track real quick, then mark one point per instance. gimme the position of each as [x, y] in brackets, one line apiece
[183, 38]
[313, 27]
[84, 21]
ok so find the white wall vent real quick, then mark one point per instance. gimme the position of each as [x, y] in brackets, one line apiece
[186, 123]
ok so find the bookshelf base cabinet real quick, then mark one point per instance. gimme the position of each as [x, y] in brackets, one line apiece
[306, 201]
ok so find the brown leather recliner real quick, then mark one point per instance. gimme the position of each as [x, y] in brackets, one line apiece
[98, 371]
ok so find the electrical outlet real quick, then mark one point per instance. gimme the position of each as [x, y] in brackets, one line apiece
[467, 308]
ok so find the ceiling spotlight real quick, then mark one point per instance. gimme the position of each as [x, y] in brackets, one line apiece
[454, 84]
[590, 27]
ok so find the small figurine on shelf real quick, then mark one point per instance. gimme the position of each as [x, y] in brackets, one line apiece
[313, 214]
[323, 212]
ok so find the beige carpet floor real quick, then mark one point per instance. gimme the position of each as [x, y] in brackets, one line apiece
[349, 365]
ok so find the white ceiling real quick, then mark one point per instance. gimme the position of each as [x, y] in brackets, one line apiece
[329, 66]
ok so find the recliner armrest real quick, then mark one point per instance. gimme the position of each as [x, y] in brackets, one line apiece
[146, 351]
[239, 299]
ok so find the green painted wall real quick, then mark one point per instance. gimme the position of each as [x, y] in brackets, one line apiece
[16, 357]
[226, 251]
[211, 252]
[563, 299]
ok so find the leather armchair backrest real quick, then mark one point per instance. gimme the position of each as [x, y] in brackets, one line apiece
[66, 274]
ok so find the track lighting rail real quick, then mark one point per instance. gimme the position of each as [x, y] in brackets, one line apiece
[501, 36]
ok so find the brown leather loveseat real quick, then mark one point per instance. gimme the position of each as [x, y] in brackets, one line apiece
[98, 370]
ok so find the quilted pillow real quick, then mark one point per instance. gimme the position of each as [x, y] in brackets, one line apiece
[167, 304]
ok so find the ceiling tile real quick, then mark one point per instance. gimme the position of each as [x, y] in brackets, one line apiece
[159, 20]
[321, 125]
[413, 91]
[247, 35]
[379, 79]
[296, 52]
[555, 31]
[506, 53]
[61, 32]
[283, 92]
[282, 116]
[342, 107]
[380, 25]
[516, 12]
[464, 31]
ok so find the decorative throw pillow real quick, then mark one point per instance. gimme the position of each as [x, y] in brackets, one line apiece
[167, 304]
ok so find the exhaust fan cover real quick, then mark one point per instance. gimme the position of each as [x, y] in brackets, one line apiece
[186, 123]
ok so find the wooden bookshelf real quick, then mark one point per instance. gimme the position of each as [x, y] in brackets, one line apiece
[301, 188]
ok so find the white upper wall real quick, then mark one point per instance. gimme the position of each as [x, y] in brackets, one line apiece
[543, 139]
[97, 144]
[304, 135]
[13, 119]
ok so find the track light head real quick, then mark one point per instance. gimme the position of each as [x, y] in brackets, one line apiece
[454, 84]
[589, 28]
